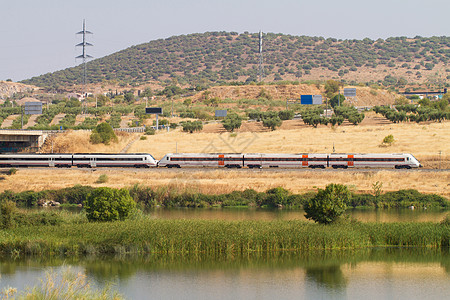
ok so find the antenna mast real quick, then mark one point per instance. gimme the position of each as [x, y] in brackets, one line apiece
[261, 67]
[84, 55]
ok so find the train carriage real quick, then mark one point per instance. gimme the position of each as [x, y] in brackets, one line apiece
[373, 160]
[93, 160]
[261, 160]
[217, 160]
[36, 160]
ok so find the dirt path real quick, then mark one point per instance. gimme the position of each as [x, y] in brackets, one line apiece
[57, 119]
[9, 120]
[31, 121]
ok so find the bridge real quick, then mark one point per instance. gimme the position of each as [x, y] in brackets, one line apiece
[22, 140]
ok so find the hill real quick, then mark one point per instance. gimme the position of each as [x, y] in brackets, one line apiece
[8, 89]
[218, 57]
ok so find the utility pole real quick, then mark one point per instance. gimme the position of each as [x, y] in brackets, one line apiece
[84, 56]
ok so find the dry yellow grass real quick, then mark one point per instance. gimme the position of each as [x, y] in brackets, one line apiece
[78, 142]
[422, 140]
[222, 181]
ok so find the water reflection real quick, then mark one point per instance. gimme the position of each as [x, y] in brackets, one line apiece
[330, 277]
[315, 274]
[364, 215]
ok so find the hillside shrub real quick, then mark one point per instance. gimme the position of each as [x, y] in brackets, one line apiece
[103, 133]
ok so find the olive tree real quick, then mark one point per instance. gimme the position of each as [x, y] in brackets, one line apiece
[328, 205]
[232, 122]
[108, 204]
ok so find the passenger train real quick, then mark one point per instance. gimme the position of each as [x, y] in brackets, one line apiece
[306, 160]
[213, 160]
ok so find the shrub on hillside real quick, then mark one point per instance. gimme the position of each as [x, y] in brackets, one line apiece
[103, 133]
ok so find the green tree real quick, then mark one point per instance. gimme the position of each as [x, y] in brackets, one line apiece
[107, 204]
[73, 102]
[328, 205]
[231, 122]
[331, 87]
[129, 97]
[276, 197]
[147, 93]
[337, 100]
[192, 126]
[102, 100]
[103, 133]
[272, 123]
[187, 102]
[286, 114]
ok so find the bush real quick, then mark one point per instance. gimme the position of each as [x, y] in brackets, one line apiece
[103, 133]
[11, 171]
[8, 209]
[328, 205]
[277, 197]
[102, 178]
[388, 140]
[149, 131]
[107, 204]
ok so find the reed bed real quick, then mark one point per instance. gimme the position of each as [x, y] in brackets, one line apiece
[216, 237]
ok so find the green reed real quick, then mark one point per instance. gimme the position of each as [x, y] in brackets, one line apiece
[216, 237]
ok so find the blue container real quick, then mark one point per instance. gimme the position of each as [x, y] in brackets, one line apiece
[306, 99]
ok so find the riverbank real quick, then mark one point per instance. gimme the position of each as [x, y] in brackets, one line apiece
[215, 237]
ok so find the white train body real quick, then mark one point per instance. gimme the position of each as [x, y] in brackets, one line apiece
[373, 160]
[260, 160]
[213, 160]
[216, 160]
[90, 160]
[93, 160]
[36, 160]
[303, 160]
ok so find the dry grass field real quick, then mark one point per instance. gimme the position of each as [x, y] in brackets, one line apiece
[78, 141]
[423, 140]
[222, 181]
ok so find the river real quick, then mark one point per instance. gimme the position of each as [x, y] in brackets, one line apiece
[363, 274]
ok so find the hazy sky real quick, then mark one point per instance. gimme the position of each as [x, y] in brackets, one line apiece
[38, 36]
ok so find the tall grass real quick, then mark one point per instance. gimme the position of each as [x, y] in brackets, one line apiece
[216, 237]
[66, 284]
